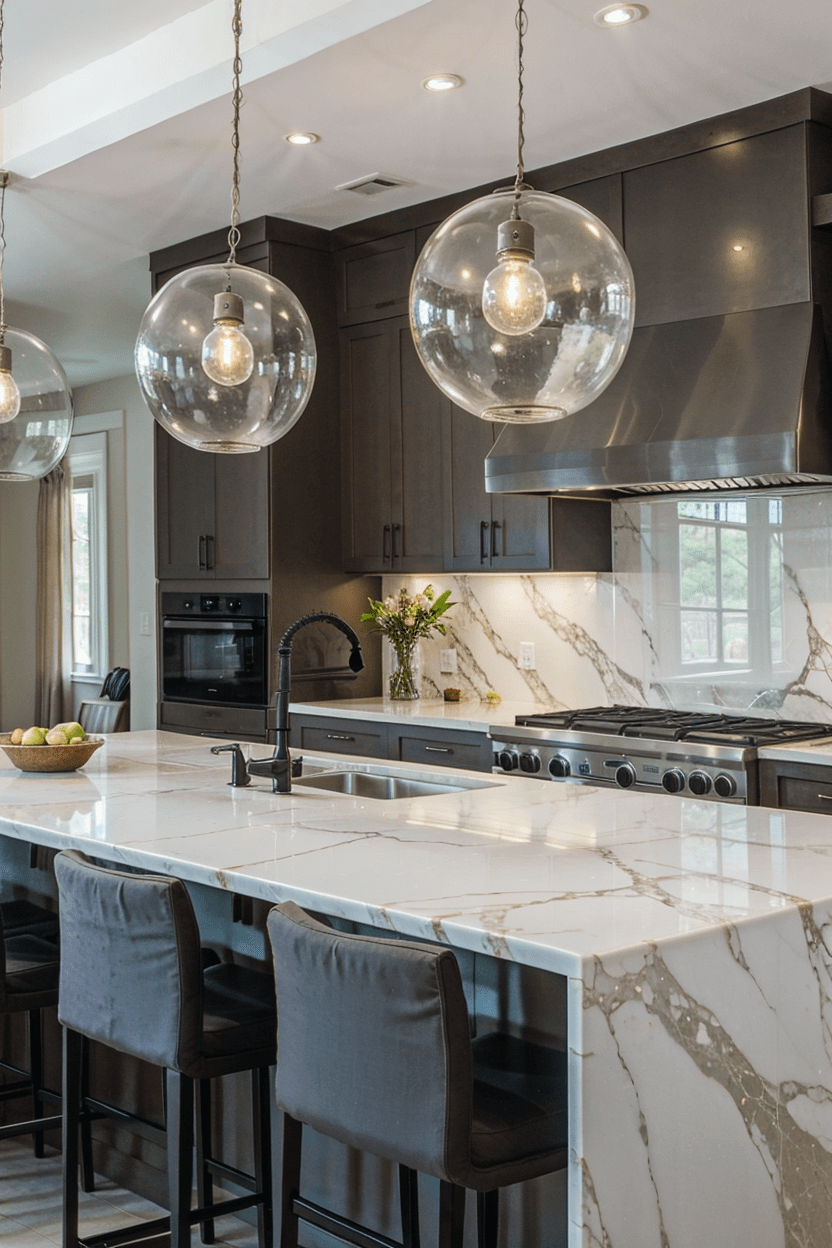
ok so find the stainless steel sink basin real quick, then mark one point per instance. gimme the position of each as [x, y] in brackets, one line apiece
[383, 787]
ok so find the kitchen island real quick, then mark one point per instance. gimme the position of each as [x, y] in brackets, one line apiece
[679, 949]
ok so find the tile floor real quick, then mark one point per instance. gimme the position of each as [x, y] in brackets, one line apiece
[30, 1204]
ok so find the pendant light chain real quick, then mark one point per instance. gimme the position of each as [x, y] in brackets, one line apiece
[521, 21]
[237, 100]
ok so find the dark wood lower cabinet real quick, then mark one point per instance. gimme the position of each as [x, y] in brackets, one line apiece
[796, 786]
[433, 747]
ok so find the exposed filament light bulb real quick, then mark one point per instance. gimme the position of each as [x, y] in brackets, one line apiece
[514, 293]
[9, 393]
[227, 355]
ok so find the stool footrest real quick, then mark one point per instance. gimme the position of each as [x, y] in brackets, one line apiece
[238, 1177]
[340, 1226]
[141, 1231]
[34, 1125]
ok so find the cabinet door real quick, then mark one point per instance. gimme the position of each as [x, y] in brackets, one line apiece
[240, 546]
[519, 533]
[419, 493]
[374, 278]
[440, 748]
[337, 736]
[184, 509]
[369, 362]
[468, 547]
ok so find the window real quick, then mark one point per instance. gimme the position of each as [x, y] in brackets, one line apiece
[88, 463]
[723, 597]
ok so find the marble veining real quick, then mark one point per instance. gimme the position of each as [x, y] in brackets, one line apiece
[694, 940]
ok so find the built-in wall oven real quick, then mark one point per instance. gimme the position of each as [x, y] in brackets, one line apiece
[214, 670]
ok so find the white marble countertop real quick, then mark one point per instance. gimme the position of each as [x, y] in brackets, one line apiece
[547, 874]
[693, 938]
[819, 752]
[471, 714]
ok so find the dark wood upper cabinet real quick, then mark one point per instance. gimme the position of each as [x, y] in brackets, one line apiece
[212, 513]
[722, 230]
[392, 452]
[373, 279]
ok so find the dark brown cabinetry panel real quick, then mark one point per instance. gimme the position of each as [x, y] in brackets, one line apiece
[796, 786]
[212, 513]
[489, 532]
[686, 218]
[601, 196]
[392, 430]
[373, 279]
[435, 747]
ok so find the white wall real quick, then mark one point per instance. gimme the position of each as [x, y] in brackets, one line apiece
[131, 560]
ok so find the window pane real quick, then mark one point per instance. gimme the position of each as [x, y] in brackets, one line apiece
[699, 633]
[735, 636]
[734, 567]
[81, 579]
[697, 565]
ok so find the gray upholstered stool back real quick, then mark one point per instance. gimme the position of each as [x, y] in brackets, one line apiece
[131, 974]
[375, 1046]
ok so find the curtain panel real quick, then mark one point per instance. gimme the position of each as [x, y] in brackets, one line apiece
[53, 619]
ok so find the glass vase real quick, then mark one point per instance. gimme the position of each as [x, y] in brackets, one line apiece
[405, 680]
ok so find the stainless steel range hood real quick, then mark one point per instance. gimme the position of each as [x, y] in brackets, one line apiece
[725, 402]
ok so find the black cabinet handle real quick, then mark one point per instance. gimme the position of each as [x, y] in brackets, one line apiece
[484, 526]
[209, 552]
[495, 535]
[338, 736]
[203, 566]
[385, 544]
[397, 528]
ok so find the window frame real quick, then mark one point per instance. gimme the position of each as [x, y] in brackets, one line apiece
[87, 457]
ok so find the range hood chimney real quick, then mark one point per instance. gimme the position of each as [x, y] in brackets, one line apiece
[723, 402]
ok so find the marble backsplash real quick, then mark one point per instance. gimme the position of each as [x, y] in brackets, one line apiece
[601, 639]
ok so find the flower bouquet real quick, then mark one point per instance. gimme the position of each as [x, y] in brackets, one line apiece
[403, 619]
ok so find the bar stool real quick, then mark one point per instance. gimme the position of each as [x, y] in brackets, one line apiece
[132, 978]
[29, 962]
[376, 1051]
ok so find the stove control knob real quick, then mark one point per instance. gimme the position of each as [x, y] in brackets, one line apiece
[625, 776]
[674, 780]
[725, 786]
[699, 783]
[235, 604]
[530, 763]
[559, 767]
[188, 604]
[507, 759]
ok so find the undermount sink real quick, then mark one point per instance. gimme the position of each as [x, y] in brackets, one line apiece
[383, 786]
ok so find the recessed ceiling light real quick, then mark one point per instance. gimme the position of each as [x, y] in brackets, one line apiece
[620, 14]
[301, 139]
[442, 82]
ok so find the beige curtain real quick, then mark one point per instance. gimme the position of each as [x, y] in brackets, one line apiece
[53, 619]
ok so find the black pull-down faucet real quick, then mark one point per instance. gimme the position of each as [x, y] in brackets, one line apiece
[279, 766]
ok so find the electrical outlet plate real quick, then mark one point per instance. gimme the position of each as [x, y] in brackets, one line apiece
[447, 661]
[527, 659]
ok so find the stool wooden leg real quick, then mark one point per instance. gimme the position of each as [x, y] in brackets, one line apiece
[180, 1130]
[204, 1182]
[36, 1075]
[409, 1198]
[451, 1215]
[488, 1212]
[261, 1085]
[290, 1181]
[71, 1094]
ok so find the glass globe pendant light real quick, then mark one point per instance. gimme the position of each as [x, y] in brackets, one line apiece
[225, 354]
[522, 303]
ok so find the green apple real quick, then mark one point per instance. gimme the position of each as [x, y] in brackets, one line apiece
[72, 730]
[33, 736]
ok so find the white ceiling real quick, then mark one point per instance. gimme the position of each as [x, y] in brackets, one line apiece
[116, 120]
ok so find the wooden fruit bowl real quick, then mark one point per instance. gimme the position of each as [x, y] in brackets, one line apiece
[49, 758]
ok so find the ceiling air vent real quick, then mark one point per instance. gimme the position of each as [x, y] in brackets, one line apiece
[372, 184]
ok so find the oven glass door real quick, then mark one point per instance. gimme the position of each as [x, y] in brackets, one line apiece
[221, 661]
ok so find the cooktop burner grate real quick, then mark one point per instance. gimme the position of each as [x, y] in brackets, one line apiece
[650, 723]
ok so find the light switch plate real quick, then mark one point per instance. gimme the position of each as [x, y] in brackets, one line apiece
[527, 660]
[447, 661]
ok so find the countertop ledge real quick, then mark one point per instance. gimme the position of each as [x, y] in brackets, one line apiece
[472, 714]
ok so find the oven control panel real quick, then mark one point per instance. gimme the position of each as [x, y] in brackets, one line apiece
[248, 606]
[693, 771]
